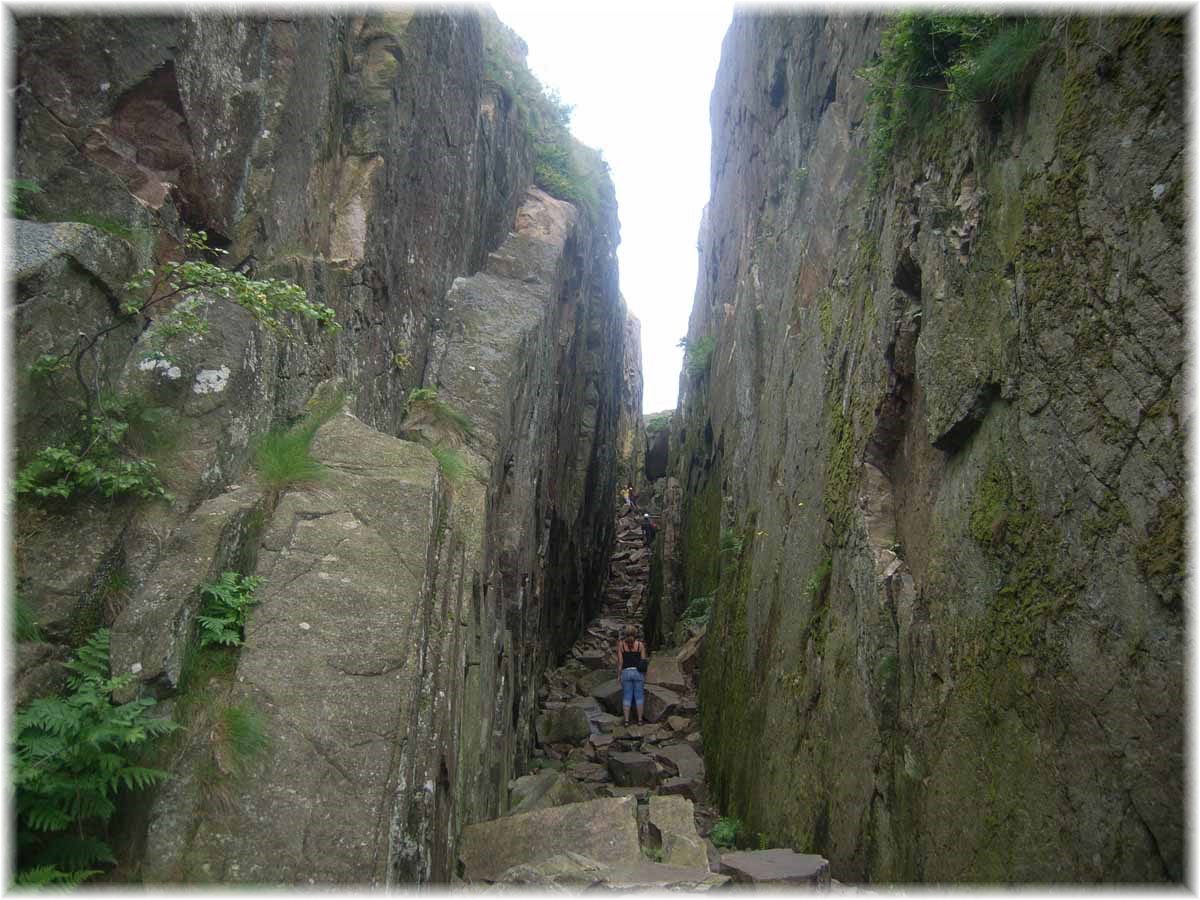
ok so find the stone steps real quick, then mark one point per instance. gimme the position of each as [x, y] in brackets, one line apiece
[593, 772]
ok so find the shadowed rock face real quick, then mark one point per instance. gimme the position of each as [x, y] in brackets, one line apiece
[406, 614]
[940, 432]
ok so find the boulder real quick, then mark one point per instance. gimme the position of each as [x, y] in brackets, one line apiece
[684, 759]
[673, 826]
[568, 725]
[778, 868]
[678, 723]
[603, 830]
[632, 769]
[545, 789]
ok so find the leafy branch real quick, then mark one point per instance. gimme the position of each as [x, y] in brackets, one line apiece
[173, 295]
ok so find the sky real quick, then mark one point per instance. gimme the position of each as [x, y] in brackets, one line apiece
[640, 76]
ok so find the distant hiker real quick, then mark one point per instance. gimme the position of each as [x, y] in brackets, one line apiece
[632, 660]
[631, 498]
[625, 499]
[648, 529]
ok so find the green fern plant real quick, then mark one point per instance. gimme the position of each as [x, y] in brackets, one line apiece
[227, 603]
[72, 754]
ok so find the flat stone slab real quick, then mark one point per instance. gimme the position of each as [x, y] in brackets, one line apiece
[590, 772]
[603, 830]
[775, 868]
[570, 872]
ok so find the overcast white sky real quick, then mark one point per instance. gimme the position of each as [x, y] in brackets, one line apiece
[640, 76]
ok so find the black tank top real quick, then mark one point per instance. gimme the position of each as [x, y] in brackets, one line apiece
[630, 658]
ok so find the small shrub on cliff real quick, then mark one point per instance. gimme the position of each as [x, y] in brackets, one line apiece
[726, 832]
[731, 542]
[71, 756]
[699, 609]
[657, 422]
[227, 603]
[697, 355]
[100, 461]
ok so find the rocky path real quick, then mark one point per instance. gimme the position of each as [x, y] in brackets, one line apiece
[614, 805]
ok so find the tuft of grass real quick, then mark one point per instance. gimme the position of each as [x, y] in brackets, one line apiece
[442, 413]
[19, 190]
[239, 738]
[203, 663]
[931, 61]
[282, 457]
[450, 461]
[25, 627]
[998, 73]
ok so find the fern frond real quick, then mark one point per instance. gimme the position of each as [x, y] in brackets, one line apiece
[47, 818]
[138, 778]
[70, 851]
[52, 876]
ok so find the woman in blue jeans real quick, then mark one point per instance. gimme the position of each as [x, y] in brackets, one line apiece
[631, 651]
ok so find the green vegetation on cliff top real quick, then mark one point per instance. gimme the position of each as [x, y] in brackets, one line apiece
[563, 167]
[980, 60]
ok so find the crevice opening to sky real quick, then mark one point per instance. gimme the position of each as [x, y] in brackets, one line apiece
[640, 77]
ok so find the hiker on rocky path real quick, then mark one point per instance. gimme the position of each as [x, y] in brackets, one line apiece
[629, 499]
[631, 661]
[648, 529]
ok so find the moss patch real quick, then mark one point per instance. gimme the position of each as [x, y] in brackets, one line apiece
[1035, 587]
[1161, 556]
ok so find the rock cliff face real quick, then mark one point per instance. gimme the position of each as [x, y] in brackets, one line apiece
[410, 596]
[933, 463]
